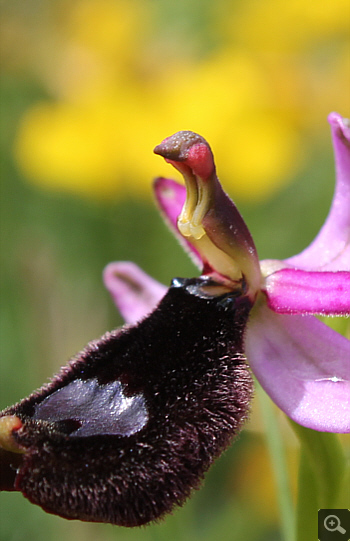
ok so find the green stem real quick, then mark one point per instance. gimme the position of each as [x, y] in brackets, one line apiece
[322, 475]
[279, 465]
[327, 461]
[307, 504]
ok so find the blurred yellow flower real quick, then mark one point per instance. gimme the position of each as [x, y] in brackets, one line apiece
[119, 86]
[291, 26]
[69, 148]
[106, 26]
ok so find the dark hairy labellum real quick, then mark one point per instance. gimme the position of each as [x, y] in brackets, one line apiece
[129, 427]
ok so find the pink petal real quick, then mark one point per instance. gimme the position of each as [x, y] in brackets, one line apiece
[303, 365]
[134, 292]
[170, 196]
[331, 248]
[291, 291]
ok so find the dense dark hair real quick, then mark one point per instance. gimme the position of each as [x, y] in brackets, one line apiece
[142, 412]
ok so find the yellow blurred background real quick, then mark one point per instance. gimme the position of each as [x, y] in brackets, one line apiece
[257, 79]
[88, 88]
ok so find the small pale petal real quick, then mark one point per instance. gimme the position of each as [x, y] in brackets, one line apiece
[134, 292]
[331, 248]
[171, 196]
[291, 291]
[303, 365]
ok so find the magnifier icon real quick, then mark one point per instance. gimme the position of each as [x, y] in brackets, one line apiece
[332, 524]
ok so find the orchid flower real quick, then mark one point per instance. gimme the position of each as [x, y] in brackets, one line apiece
[301, 363]
[128, 428]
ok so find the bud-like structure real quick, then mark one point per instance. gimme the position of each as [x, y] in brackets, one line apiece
[209, 220]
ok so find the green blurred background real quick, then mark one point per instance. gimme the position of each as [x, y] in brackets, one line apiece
[88, 88]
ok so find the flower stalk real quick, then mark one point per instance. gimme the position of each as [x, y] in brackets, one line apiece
[323, 473]
[277, 451]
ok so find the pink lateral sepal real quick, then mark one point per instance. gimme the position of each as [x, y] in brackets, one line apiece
[330, 250]
[303, 365]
